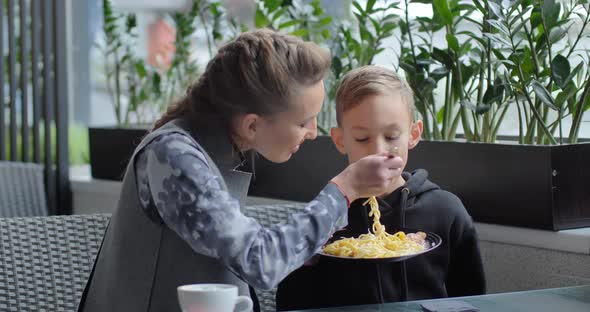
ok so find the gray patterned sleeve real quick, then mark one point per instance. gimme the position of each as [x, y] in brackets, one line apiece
[174, 175]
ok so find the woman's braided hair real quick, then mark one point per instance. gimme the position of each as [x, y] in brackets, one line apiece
[258, 72]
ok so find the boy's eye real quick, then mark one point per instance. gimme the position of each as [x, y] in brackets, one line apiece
[361, 139]
[392, 138]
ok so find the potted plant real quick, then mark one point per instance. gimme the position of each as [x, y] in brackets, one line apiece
[519, 58]
[498, 58]
[139, 91]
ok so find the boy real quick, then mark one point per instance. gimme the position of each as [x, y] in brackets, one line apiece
[375, 113]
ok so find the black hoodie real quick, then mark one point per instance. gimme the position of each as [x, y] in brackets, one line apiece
[453, 269]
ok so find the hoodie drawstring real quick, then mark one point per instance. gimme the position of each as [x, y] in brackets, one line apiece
[404, 276]
[377, 265]
[402, 210]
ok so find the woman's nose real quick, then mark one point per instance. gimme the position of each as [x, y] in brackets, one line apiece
[311, 134]
[312, 131]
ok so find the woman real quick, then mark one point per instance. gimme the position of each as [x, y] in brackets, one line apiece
[178, 220]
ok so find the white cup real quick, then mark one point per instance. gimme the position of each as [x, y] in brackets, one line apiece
[212, 298]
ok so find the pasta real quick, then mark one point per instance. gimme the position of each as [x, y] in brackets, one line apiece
[378, 244]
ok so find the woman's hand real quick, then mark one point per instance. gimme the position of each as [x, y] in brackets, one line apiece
[369, 176]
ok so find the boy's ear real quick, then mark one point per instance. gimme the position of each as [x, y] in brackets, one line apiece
[338, 139]
[415, 133]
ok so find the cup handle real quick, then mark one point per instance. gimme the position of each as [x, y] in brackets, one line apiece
[244, 301]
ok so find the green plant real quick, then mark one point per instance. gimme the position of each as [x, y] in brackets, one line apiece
[183, 69]
[139, 91]
[118, 60]
[300, 18]
[519, 56]
[498, 57]
[474, 86]
[355, 44]
[77, 144]
[535, 49]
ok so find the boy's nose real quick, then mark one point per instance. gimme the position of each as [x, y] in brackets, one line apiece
[381, 147]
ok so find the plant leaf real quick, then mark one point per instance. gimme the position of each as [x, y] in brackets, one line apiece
[551, 11]
[496, 9]
[560, 70]
[566, 95]
[439, 73]
[370, 5]
[260, 19]
[140, 68]
[290, 23]
[494, 93]
[440, 115]
[407, 67]
[497, 39]
[479, 109]
[574, 72]
[273, 5]
[501, 27]
[536, 18]
[325, 21]
[358, 8]
[544, 95]
[278, 14]
[453, 42]
[441, 8]
[443, 57]
[557, 34]
[300, 32]
[479, 6]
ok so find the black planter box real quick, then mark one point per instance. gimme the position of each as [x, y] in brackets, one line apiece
[544, 187]
[111, 149]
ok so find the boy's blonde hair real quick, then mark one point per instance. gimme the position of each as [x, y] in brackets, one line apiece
[371, 80]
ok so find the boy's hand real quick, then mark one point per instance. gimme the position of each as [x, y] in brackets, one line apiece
[369, 176]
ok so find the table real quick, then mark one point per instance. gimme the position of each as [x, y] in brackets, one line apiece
[567, 299]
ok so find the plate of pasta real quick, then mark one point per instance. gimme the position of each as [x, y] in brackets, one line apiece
[377, 245]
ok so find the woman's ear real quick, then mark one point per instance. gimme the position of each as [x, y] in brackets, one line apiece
[415, 133]
[246, 126]
[338, 139]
